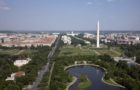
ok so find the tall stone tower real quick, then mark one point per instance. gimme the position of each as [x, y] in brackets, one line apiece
[98, 35]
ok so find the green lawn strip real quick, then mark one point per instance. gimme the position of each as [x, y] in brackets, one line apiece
[10, 52]
[109, 52]
[19, 52]
[117, 53]
[49, 80]
[14, 52]
[96, 52]
[111, 82]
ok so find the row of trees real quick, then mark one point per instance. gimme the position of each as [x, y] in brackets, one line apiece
[93, 41]
[77, 41]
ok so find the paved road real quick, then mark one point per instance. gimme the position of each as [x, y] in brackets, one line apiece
[45, 68]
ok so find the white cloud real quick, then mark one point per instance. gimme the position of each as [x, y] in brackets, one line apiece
[89, 3]
[4, 8]
[3, 5]
[110, 0]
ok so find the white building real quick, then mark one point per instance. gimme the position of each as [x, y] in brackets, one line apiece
[72, 34]
[20, 63]
[56, 33]
[12, 78]
[87, 42]
[88, 35]
[136, 38]
[129, 40]
[16, 74]
[66, 39]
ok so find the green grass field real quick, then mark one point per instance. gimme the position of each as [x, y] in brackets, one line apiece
[14, 51]
[72, 50]
[88, 50]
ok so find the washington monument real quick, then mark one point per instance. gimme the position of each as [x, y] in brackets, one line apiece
[97, 36]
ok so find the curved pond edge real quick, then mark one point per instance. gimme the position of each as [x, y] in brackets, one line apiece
[93, 65]
[74, 79]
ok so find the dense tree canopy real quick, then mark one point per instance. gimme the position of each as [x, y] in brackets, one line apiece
[39, 58]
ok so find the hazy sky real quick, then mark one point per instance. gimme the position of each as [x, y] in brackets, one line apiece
[69, 14]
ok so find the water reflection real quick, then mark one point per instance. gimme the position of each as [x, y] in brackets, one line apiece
[94, 74]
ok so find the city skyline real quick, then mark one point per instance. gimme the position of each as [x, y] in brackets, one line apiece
[65, 15]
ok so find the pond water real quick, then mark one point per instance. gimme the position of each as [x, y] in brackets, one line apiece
[94, 74]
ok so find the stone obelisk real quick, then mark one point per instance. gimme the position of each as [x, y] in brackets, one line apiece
[98, 35]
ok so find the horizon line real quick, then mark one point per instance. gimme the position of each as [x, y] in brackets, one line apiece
[65, 30]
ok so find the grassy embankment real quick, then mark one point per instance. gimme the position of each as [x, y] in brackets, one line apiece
[84, 82]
